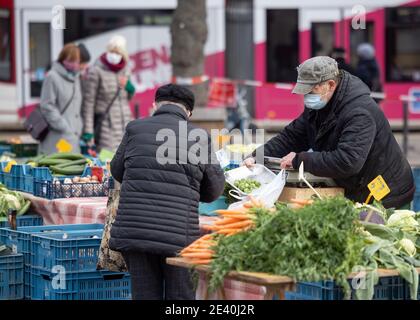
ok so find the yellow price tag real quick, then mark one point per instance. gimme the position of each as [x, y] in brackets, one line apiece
[378, 188]
[63, 146]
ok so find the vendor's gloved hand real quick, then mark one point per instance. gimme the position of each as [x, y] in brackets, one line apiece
[249, 162]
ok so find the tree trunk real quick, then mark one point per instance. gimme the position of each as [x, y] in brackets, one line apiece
[189, 35]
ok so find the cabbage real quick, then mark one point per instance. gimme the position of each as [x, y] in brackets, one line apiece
[402, 218]
[12, 201]
[408, 246]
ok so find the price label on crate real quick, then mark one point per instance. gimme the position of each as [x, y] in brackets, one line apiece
[63, 146]
[378, 188]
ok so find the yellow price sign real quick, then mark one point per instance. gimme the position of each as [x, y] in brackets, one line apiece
[378, 188]
[63, 146]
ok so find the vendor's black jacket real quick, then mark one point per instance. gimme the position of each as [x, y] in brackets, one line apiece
[158, 208]
[352, 143]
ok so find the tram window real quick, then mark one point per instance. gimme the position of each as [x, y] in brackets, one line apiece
[322, 38]
[282, 45]
[358, 36]
[85, 23]
[39, 53]
[403, 47]
[5, 38]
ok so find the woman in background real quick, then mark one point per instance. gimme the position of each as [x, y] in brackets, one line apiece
[107, 92]
[61, 101]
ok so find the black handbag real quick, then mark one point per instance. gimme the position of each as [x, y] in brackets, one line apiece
[37, 126]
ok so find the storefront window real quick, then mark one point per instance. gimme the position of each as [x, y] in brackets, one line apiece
[282, 45]
[403, 45]
[39, 53]
[322, 38]
[5, 46]
[87, 23]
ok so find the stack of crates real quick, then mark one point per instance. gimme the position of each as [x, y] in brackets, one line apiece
[60, 263]
[388, 288]
[11, 277]
[64, 267]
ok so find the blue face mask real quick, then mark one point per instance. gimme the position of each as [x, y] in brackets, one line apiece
[313, 101]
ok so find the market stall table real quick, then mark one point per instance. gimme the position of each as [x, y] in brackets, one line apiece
[274, 285]
[252, 285]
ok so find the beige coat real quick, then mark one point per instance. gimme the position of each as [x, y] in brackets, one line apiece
[99, 89]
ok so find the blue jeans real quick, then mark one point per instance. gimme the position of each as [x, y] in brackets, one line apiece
[153, 279]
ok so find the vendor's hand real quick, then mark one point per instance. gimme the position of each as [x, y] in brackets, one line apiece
[249, 162]
[286, 162]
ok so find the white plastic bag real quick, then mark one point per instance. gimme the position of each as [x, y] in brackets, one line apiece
[268, 194]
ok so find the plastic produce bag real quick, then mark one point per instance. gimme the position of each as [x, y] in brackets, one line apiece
[267, 194]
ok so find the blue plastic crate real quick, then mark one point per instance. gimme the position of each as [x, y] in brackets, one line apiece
[46, 187]
[23, 177]
[4, 148]
[28, 220]
[95, 285]
[209, 209]
[27, 281]
[388, 288]
[11, 277]
[416, 202]
[74, 251]
[9, 181]
[20, 240]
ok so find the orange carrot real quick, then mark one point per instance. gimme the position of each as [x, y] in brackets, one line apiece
[228, 231]
[198, 255]
[225, 211]
[248, 205]
[239, 225]
[225, 221]
[239, 216]
[201, 250]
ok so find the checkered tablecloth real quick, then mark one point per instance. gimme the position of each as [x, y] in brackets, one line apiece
[93, 210]
[233, 290]
[77, 210]
[70, 210]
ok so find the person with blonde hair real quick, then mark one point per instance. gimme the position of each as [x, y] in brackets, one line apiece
[61, 101]
[107, 92]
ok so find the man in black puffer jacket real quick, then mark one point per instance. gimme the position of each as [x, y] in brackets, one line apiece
[162, 184]
[342, 134]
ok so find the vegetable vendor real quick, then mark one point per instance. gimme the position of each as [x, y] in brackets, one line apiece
[342, 134]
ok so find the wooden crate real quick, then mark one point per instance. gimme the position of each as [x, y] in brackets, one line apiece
[306, 193]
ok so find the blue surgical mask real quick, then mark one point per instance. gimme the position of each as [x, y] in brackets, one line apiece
[313, 101]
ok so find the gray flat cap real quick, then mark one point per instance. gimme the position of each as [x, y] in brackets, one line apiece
[313, 71]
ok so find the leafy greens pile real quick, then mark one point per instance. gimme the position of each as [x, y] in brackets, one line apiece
[392, 245]
[317, 242]
[11, 200]
[325, 241]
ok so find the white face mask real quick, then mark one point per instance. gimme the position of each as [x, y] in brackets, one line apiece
[113, 58]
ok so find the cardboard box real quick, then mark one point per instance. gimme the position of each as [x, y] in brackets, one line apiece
[306, 193]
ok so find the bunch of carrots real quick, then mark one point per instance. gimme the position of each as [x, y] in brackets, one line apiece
[233, 221]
